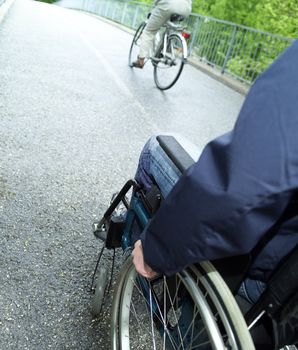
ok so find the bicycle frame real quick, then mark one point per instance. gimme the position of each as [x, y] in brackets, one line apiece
[170, 29]
[168, 55]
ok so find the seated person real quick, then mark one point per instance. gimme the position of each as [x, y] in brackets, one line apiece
[243, 188]
[161, 13]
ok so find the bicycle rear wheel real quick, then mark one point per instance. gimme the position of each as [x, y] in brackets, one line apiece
[168, 67]
[135, 45]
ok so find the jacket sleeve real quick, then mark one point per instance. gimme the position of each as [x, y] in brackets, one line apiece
[241, 184]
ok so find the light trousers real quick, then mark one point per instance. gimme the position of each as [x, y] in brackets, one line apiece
[161, 13]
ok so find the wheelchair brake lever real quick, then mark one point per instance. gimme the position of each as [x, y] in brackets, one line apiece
[100, 229]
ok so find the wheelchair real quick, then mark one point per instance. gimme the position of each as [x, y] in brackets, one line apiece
[196, 308]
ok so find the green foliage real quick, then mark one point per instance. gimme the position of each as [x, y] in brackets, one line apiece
[274, 16]
[203, 6]
[236, 11]
[241, 52]
[248, 67]
[278, 17]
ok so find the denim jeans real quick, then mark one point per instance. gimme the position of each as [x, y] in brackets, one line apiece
[156, 167]
[251, 290]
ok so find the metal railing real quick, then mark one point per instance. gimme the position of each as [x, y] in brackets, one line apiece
[239, 51]
[236, 50]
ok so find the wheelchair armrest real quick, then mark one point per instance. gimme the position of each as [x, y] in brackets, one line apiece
[175, 152]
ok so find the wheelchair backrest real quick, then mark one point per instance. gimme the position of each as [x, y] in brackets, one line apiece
[280, 301]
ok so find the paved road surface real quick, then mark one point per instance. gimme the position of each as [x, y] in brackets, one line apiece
[73, 119]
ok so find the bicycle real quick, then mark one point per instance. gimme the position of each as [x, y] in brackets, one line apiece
[169, 53]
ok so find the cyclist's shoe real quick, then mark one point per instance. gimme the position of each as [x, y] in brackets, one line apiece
[139, 63]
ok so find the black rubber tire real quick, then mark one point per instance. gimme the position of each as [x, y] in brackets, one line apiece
[158, 68]
[210, 295]
[99, 292]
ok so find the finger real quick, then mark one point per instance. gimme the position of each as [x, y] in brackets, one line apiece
[152, 274]
[138, 243]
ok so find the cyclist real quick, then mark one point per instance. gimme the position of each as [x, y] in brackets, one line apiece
[243, 186]
[161, 13]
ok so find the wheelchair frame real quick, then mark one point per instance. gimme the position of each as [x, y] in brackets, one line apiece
[207, 300]
[202, 281]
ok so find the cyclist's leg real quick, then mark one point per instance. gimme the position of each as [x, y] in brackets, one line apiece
[160, 14]
[155, 165]
[158, 18]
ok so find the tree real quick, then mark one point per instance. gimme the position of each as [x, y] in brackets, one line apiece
[203, 6]
[274, 16]
[278, 17]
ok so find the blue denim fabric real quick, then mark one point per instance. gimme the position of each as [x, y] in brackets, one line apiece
[251, 290]
[155, 166]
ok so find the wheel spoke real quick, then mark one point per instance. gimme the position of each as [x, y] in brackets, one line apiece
[151, 316]
[184, 312]
[168, 68]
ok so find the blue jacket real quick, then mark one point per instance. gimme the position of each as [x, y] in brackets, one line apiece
[240, 187]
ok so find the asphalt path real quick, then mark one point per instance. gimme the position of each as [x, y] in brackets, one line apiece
[73, 119]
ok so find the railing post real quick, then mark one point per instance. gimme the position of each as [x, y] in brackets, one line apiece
[229, 50]
[101, 8]
[195, 35]
[135, 17]
[88, 5]
[124, 13]
[107, 9]
[114, 12]
[98, 7]
[92, 8]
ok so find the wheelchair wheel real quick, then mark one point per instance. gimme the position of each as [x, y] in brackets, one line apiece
[99, 291]
[186, 311]
[135, 45]
[167, 69]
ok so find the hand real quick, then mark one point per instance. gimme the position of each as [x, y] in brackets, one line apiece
[138, 259]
